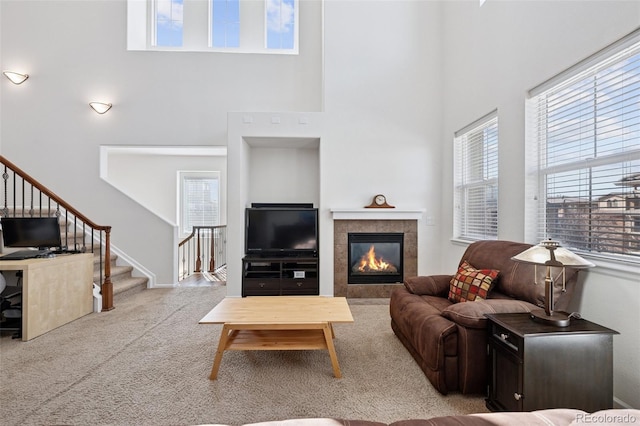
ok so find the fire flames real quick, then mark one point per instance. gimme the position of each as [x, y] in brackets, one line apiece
[371, 263]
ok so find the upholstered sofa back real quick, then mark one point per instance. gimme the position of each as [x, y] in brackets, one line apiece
[549, 417]
[519, 280]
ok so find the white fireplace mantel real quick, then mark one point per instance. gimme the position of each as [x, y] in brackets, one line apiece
[376, 214]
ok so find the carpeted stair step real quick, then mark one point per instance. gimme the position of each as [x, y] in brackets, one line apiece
[119, 273]
[125, 287]
[121, 276]
[124, 284]
[96, 262]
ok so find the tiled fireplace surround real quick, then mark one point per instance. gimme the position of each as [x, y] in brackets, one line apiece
[342, 227]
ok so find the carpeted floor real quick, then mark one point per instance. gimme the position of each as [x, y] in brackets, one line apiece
[147, 363]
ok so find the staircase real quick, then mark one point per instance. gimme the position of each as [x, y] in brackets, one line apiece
[24, 196]
[124, 284]
[121, 275]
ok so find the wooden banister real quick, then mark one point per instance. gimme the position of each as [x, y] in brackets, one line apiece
[204, 242]
[106, 284]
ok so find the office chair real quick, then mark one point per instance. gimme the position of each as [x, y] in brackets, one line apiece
[10, 308]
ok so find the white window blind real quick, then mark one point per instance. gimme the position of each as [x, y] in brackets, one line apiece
[476, 180]
[585, 128]
[200, 201]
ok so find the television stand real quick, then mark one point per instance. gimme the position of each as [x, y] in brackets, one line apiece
[280, 276]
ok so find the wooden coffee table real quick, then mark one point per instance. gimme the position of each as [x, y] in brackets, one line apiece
[278, 323]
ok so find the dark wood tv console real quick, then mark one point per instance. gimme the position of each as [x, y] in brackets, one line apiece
[280, 276]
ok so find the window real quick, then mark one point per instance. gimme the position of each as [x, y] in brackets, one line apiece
[267, 26]
[280, 24]
[225, 18]
[168, 19]
[584, 135]
[476, 180]
[200, 195]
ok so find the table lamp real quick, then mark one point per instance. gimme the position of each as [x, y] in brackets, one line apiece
[549, 253]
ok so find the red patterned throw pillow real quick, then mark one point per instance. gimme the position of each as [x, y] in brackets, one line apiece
[471, 284]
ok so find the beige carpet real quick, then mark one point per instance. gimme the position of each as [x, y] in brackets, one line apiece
[147, 363]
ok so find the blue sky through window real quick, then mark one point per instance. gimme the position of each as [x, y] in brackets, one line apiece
[169, 22]
[593, 118]
[280, 24]
[279, 18]
[226, 23]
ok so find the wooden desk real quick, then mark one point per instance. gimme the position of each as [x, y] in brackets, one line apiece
[278, 323]
[55, 291]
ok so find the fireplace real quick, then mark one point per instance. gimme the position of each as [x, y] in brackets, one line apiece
[349, 221]
[375, 257]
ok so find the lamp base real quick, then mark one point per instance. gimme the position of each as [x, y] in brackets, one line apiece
[558, 319]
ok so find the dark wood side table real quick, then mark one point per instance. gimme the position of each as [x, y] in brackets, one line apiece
[534, 366]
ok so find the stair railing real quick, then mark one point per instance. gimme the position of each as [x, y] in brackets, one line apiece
[32, 199]
[206, 245]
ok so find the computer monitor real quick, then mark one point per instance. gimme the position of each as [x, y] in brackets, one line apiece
[39, 232]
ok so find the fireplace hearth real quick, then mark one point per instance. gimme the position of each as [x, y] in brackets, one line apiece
[375, 257]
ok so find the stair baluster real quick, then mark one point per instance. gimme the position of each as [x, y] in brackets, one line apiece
[206, 245]
[26, 197]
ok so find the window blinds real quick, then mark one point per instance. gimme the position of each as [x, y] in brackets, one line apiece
[587, 133]
[476, 183]
[200, 202]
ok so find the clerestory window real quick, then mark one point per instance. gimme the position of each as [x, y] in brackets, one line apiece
[281, 24]
[169, 22]
[225, 27]
[240, 26]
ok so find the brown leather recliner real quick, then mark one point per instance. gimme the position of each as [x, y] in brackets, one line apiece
[449, 340]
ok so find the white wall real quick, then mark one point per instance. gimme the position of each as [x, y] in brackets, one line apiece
[131, 173]
[285, 175]
[75, 52]
[492, 56]
[1, 85]
[383, 115]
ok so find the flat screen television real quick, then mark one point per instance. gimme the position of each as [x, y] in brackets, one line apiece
[281, 231]
[38, 232]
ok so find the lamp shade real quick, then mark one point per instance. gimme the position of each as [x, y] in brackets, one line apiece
[100, 107]
[550, 253]
[15, 77]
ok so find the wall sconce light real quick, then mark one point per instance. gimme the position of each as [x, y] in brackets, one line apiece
[100, 107]
[15, 77]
